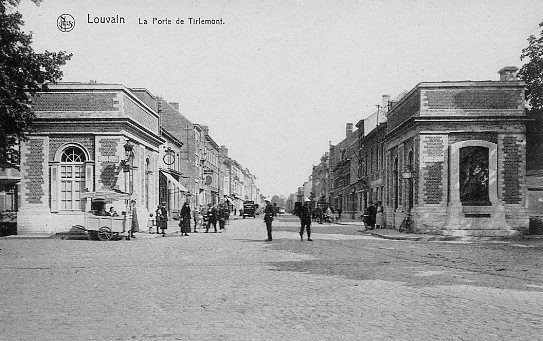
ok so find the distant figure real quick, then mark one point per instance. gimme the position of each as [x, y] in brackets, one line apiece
[339, 211]
[195, 218]
[162, 218]
[211, 218]
[305, 220]
[329, 214]
[379, 218]
[372, 212]
[318, 212]
[135, 224]
[269, 213]
[184, 222]
[223, 216]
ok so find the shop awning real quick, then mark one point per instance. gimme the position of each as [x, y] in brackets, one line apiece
[175, 182]
[229, 200]
[106, 194]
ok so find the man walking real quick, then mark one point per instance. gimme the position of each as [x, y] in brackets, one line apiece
[223, 216]
[269, 213]
[305, 219]
[211, 218]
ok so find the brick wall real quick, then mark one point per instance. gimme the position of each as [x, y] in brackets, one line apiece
[141, 116]
[109, 174]
[33, 175]
[511, 172]
[56, 142]
[55, 101]
[473, 99]
[409, 107]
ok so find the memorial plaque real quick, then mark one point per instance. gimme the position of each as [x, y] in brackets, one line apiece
[433, 147]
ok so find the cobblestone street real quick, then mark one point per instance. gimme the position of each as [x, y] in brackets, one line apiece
[234, 286]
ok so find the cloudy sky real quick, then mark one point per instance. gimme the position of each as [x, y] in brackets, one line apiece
[278, 80]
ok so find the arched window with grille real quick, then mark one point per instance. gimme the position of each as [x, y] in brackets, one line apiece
[72, 179]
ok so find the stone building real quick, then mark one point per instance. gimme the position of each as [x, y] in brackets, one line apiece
[344, 173]
[88, 137]
[455, 158]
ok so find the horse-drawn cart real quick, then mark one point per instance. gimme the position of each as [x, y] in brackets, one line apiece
[100, 224]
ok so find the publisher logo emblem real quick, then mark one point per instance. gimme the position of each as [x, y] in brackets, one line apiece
[65, 22]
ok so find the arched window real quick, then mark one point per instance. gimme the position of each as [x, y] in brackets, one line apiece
[72, 179]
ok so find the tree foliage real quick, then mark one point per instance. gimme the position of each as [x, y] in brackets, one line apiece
[532, 72]
[23, 72]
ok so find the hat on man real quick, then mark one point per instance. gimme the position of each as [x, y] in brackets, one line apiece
[307, 199]
[267, 199]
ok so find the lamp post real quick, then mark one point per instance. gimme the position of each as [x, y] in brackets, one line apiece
[128, 164]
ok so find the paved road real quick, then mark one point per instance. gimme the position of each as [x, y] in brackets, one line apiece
[234, 286]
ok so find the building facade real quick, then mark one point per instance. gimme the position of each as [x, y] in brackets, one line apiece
[88, 137]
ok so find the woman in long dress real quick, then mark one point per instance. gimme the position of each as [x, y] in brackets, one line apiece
[379, 218]
[185, 219]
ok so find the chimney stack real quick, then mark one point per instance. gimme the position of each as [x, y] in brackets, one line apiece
[206, 130]
[385, 99]
[175, 105]
[348, 130]
[508, 74]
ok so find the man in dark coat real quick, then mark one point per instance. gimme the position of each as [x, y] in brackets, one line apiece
[269, 213]
[305, 219]
[372, 213]
[184, 222]
[223, 216]
[211, 218]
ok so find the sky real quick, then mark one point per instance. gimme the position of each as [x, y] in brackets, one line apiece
[278, 80]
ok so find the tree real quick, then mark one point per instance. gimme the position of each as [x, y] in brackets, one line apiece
[532, 74]
[23, 72]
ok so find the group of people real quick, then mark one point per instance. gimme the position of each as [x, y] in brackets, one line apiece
[373, 216]
[208, 217]
[303, 212]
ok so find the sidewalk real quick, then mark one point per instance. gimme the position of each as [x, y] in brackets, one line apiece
[394, 234]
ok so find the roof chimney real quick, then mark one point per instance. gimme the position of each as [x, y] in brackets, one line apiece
[348, 130]
[508, 74]
[206, 130]
[175, 105]
[385, 99]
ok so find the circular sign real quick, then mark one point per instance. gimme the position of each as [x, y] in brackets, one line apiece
[169, 159]
[65, 23]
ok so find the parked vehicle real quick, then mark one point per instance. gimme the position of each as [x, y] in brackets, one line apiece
[249, 209]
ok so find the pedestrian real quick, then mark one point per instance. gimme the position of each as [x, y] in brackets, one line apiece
[372, 212]
[135, 225]
[379, 218]
[162, 218]
[339, 211]
[329, 214]
[211, 218]
[305, 220]
[195, 217]
[319, 214]
[184, 222]
[269, 213]
[223, 216]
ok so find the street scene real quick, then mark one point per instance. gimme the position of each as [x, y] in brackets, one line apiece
[346, 284]
[271, 170]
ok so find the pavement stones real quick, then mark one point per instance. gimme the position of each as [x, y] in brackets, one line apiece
[225, 286]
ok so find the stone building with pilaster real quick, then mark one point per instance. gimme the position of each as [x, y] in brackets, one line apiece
[88, 137]
[456, 160]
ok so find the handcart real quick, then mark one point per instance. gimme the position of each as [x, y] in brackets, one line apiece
[99, 224]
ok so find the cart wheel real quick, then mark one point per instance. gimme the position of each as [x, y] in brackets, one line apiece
[104, 233]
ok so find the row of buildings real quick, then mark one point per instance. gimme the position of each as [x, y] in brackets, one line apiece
[106, 137]
[446, 158]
